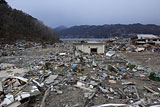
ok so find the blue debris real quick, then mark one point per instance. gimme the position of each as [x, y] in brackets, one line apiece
[123, 70]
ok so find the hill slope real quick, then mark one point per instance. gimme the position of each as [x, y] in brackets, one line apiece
[17, 25]
[105, 31]
[60, 28]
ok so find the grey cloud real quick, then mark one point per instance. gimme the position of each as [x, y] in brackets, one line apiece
[78, 12]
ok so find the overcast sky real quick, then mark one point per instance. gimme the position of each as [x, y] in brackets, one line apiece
[90, 12]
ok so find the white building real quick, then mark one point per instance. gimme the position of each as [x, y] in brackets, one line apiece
[90, 47]
[147, 39]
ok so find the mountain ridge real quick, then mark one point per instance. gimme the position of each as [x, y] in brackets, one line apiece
[106, 30]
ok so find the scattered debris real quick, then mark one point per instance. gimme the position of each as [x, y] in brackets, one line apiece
[55, 76]
[110, 53]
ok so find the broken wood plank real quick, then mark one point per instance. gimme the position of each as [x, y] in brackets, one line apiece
[122, 93]
[83, 88]
[150, 90]
[23, 87]
[45, 96]
[136, 92]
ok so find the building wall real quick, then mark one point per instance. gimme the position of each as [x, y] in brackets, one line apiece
[147, 39]
[157, 42]
[87, 48]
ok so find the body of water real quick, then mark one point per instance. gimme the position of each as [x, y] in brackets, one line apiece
[80, 39]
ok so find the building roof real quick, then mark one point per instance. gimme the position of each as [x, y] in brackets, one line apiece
[90, 43]
[147, 36]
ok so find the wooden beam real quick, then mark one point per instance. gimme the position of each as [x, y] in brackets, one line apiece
[45, 96]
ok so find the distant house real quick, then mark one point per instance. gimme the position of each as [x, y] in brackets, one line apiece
[147, 39]
[89, 47]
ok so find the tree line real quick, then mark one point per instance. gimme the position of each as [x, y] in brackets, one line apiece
[17, 25]
[106, 31]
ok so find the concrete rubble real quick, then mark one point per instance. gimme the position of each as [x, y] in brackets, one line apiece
[31, 75]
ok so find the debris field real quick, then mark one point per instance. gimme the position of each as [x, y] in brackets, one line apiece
[32, 75]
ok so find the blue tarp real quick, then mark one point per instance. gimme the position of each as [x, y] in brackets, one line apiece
[74, 65]
[123, 70]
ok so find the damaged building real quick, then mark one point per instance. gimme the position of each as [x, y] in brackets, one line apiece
[146, 39]
[90, 47]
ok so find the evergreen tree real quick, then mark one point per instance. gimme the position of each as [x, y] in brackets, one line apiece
[3, 2]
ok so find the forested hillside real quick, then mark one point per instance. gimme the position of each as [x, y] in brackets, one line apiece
[105, 31]
[17, 25]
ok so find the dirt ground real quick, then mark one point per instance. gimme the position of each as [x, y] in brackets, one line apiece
[148, 60]
[74, 97]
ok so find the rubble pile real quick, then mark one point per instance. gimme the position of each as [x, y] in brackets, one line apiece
[60, 79]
